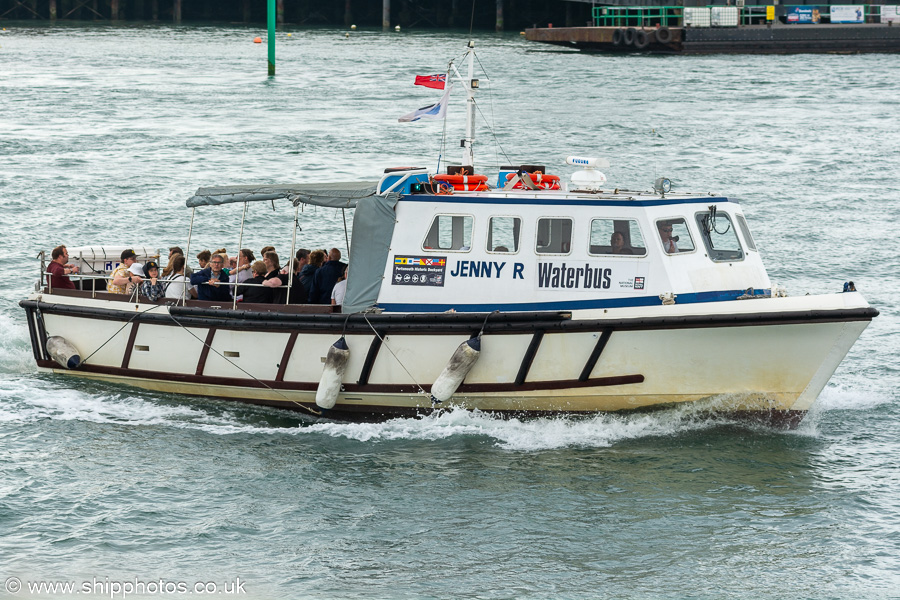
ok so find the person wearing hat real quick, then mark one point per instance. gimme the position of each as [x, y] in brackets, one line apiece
[122, 277]
[152, 287]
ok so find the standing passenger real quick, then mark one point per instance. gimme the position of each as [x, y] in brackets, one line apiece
[326, 277]
[316, 260]
[59, 269]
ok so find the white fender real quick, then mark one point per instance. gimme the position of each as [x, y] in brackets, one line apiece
[63, 352]
[455, 372]
[333, 374]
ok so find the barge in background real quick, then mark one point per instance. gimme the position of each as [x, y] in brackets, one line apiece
[733, 29]
[525, 294]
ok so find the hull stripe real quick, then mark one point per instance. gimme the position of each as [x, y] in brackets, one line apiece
[204, 353]
[348, 388]
[528, 359]
[595, 355]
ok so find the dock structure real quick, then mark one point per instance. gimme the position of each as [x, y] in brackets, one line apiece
[757, 28]
[386, 14]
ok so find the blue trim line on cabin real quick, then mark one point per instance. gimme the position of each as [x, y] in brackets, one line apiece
[694, 298]
[561, 201]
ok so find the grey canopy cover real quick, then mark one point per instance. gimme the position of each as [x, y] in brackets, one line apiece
[373, 224]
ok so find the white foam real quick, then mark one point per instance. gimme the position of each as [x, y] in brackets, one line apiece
[517, 434]
[863, 394]
[15, 347]
[28, 399]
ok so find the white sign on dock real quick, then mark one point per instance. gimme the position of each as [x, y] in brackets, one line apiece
[890, 14]
[848, 14]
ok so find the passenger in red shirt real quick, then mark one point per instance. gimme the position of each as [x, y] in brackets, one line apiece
[59, 269]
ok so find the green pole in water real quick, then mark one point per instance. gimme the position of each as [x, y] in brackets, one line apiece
[271, 38]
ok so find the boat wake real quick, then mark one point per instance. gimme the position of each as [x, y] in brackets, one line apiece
[30, 401]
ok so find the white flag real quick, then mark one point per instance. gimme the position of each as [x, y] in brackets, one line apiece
[432, 111]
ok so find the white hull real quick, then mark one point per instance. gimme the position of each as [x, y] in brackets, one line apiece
[758, 355]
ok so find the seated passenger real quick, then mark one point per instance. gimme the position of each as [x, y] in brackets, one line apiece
[287, 286]
[175, 289]
[665, 235]
[203, 258]
[617, 241]
[273, 281]
[241, 268]
[173, 252]
[212, 282]
[59, 269]
[152, 287]
[121, 277]
[340, 289]
[257, 295]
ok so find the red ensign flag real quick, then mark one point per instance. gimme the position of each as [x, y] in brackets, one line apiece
[432, 81]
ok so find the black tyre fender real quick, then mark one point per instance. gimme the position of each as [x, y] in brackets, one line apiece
[617, 37]
[628, 36]
[663, 35]
[641, 39]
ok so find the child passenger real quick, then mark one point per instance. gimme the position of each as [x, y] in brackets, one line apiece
[152, 287]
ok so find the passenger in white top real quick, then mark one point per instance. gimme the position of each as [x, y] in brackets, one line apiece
[178, 282]
[340, 289]
[240, 269]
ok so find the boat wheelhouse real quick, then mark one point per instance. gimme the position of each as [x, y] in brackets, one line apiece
[529, 296]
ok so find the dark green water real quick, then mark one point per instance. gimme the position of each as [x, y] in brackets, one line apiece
[104, 132]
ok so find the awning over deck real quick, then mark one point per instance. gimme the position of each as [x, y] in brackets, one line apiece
[373, 224]
[335, 195]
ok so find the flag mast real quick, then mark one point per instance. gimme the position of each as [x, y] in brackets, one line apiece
[468, 158]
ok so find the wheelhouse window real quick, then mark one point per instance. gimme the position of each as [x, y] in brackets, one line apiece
[719, 236]
[503, 234]
[450, 233]
[674, 235]
[751, 245]
[616, 236]
[554, 236]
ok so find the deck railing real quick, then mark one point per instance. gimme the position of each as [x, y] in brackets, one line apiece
[673, 16]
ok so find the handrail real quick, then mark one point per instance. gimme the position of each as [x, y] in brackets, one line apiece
[80, 277]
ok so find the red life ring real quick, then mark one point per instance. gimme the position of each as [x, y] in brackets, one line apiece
[464, 183]
[546, 182]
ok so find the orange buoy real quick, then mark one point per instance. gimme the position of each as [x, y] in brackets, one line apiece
[257, 40]
[464, 183]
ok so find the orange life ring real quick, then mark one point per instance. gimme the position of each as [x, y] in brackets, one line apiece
[547, 182]
[464, 183]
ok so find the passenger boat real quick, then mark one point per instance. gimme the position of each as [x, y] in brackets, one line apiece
[528, 294]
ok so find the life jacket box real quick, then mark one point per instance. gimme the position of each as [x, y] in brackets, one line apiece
[103, 260]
